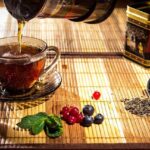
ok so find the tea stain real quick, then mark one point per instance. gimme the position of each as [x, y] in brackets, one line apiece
[64, 66]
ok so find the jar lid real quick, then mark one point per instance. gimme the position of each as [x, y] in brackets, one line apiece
[140, 11]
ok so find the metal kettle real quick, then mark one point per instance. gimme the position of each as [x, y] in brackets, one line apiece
[89, 11]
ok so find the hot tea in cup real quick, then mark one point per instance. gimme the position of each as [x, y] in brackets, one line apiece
[20, 71]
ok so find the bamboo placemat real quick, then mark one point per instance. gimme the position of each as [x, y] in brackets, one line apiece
[115, 78]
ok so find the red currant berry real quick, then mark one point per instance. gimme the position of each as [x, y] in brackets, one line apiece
[96, 95]
[65, 108]
[74, 112]
[71, 107]
[80, 118]
[65, 115]
[71, 120]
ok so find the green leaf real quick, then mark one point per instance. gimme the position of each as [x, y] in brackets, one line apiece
[53, 127]
[41, 114]
[38, 127]
[55, 119]
[36, 123]
[53, 133]
[29, 121]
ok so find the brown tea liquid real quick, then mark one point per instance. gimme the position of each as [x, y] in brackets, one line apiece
[19, 76]
[21, 25]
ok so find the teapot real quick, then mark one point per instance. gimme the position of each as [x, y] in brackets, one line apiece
[88, 11]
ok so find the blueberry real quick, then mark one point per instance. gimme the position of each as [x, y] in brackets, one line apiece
[98, 119]
[87, 121]
[88, 110]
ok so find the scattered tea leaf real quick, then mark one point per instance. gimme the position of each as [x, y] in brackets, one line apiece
[138, 106]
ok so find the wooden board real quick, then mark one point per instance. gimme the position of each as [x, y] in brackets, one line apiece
[113, 75]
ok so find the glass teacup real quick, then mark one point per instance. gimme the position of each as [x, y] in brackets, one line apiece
[20, 71]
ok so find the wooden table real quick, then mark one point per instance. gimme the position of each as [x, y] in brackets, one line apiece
[91, 60]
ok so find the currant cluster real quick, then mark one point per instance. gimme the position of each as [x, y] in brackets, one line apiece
[71, 114]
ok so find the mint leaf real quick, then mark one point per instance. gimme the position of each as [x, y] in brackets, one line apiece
[53, 133]
[27, 122]
[53, 126]
[41, 114]
[38, 127]
[30, 120]
[36, 123]
[55, 119]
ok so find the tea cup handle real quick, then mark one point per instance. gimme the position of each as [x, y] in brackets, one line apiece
[54, 61]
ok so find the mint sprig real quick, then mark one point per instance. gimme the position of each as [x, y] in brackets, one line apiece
[36, 123]
[53, 126]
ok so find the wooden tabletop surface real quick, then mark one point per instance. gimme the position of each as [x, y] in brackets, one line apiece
[91, 59]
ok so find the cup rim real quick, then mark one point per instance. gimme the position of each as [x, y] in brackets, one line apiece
[19, 58]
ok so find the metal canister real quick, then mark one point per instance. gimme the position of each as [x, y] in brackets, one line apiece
[89, 11]
[137, 46]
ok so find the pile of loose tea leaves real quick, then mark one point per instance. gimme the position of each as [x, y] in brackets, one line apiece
[138, 106]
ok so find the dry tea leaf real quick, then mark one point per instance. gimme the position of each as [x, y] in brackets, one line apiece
[138, 106]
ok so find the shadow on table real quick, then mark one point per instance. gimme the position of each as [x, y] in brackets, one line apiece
[3, 131]
[21, 105]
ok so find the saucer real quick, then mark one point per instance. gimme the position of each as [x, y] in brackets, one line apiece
[44, 87]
